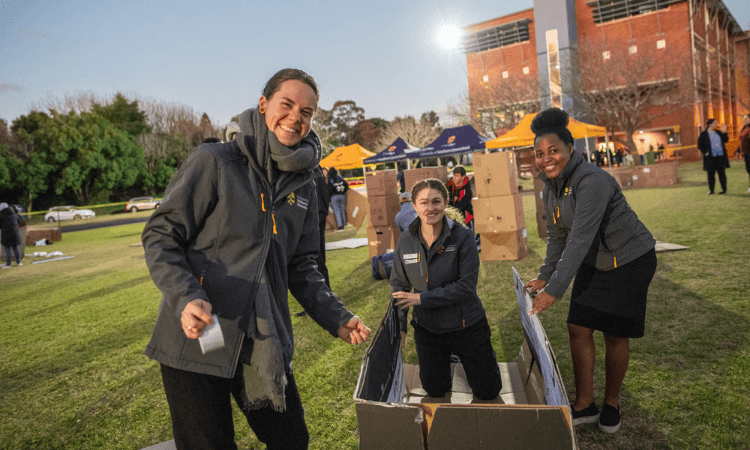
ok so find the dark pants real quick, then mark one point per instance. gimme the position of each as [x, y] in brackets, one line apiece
[712, 178]
[472, 345]
[201, 411]
[16, 250]
[321, 260]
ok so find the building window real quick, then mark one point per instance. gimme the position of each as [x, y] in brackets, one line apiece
[606, 55]
[486, 78]
[661, 43]
[505, 74]
[525, 70]
[609, 10]
[496, 37]
[553, 67]
[632, 50]
[673, 137]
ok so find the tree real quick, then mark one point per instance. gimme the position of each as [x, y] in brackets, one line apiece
[345, 116]
[417, 133]
[123, 114]
[496, 106]
[322, 123]
[30, 160]
[368, 132]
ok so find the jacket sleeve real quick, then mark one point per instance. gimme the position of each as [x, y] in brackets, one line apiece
[189, 198]
[399, 281]
[464, 200]
[704, 143]
[465, 285]
[592, 198]
[306, 283]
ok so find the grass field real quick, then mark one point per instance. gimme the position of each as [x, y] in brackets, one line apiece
[72, 373]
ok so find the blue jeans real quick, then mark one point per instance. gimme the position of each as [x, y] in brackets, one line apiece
[16, 250]
[339, 209]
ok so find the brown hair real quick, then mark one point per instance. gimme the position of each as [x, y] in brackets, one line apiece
[273, 85]
[460, 169]
[429, 183]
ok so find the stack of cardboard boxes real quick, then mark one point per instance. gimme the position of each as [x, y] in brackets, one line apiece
[413, 176]
[498, 208]
[382, 197]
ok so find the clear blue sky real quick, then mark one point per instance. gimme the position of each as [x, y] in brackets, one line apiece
[215, 56]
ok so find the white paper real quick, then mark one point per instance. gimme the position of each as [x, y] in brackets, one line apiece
[212, 338]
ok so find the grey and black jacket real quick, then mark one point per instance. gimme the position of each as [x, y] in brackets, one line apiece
[446, 276]
[226, 233]
[589, 221]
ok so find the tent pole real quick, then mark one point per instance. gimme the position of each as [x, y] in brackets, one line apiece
[588, 152]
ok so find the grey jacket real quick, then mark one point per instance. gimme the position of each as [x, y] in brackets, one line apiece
[589, 221]
[446, 276]
[225, 233]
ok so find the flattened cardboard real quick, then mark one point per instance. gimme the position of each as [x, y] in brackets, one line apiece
[382, 239]
[495, 174]
[384, 426]
[412, 176]
[381, 182]
[383, 210]
[356, 208]
[510, 246]
[498, 214]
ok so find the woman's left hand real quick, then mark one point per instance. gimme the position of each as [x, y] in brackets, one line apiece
[541, 302]
[406, 299]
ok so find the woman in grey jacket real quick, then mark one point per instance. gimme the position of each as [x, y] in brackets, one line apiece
[438, 259]
[237, 230]
[596, 237]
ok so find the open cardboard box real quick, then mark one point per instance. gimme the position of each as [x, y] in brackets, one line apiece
[531, 411]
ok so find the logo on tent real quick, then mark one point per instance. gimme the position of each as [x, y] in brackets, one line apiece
[391, 148]
[451, 139]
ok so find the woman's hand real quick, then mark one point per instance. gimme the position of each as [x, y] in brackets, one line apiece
[354, 331]
[406, 299]
[403, 340]
[534, 286]
[196, 317]
[541, 302]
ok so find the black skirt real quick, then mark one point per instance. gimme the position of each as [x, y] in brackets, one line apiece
[613, 301]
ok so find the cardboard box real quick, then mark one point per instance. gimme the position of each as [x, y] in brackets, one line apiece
[394, 412]
[383, 209]
[412, 176]
[34, 234]
[541, 223]
[381, 182]
[382, 239]
[495, 174]
[504, 246]
[356, 208]
[498, 214]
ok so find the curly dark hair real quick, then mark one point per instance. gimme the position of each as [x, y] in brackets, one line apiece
[552, 121]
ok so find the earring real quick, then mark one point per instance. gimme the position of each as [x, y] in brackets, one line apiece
[262, 110]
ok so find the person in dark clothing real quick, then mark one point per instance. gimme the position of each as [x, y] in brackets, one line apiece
[715, 160]
[401, 181]
[10, 236]
[321, 188]
[234, 235]
[337, 187]
[460, 195]
[745, 144]
[438, 260]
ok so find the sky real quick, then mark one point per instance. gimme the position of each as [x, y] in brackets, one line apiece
[216, 56]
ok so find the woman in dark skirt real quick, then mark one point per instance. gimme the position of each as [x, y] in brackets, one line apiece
[595, 237]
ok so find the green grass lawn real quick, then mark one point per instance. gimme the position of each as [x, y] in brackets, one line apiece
[72, 373]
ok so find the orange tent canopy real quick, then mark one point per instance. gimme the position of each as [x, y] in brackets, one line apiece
[521, 135]
[349, 157]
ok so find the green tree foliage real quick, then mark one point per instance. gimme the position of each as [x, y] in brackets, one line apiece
[31, 161]
[123, 114]
[345, 117]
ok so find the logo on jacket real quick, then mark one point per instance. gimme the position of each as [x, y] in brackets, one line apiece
[441, 250]
[291, 198]
[450, 248]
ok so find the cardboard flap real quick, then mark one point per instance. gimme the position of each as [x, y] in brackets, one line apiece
[456, 427]
[393, 427]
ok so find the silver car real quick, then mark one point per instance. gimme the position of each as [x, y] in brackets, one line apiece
[57, 213]
[140, 203]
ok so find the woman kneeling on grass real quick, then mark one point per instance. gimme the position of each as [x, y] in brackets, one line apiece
[596, 237]
[438, 258]
[236, 231]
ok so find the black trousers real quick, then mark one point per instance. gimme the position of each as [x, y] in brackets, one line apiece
[472, 345]
[712, 178]
[201, 411]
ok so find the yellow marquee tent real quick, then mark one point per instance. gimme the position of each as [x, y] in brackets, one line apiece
[349, 157]
[521, 135]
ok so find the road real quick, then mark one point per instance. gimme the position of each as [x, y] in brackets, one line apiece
[81, 226]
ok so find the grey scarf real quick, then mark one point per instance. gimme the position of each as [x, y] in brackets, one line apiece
[272, 349]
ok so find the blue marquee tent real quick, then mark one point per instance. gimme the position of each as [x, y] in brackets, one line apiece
[397, 151]
[451, 141]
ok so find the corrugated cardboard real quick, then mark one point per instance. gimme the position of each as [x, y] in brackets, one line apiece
[412, 176]
[510, 246]
[382, 239]
[34, 234]
[356, 208]
[383, 209]
[382, 182]
[498, 214]
[495, 174]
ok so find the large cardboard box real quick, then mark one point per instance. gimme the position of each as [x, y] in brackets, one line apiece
[34, 234]
[381, 182]
[383, 209]
[393, 411]
[382, 239]
[498, 214]
[495, 174]
[412, 176]
[356, 208]
[510, 246]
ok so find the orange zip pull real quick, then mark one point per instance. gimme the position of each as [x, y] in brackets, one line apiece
[273, 216]
[427, 277]
[463, 322]
[615, 262]
[201, 280]
[558, 211]
[262, 203]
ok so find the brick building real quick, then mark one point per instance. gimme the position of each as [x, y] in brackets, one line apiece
[685, 60]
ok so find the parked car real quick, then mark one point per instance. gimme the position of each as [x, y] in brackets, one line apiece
[140, 203]
[67, 213]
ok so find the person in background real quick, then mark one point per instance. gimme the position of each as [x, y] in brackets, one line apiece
[337, 187]
[235, 233]
[407, 213]
[10, 236]
[715, 159]
[745, 144]
[594, 236]
[459, 189]
[437, 259]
